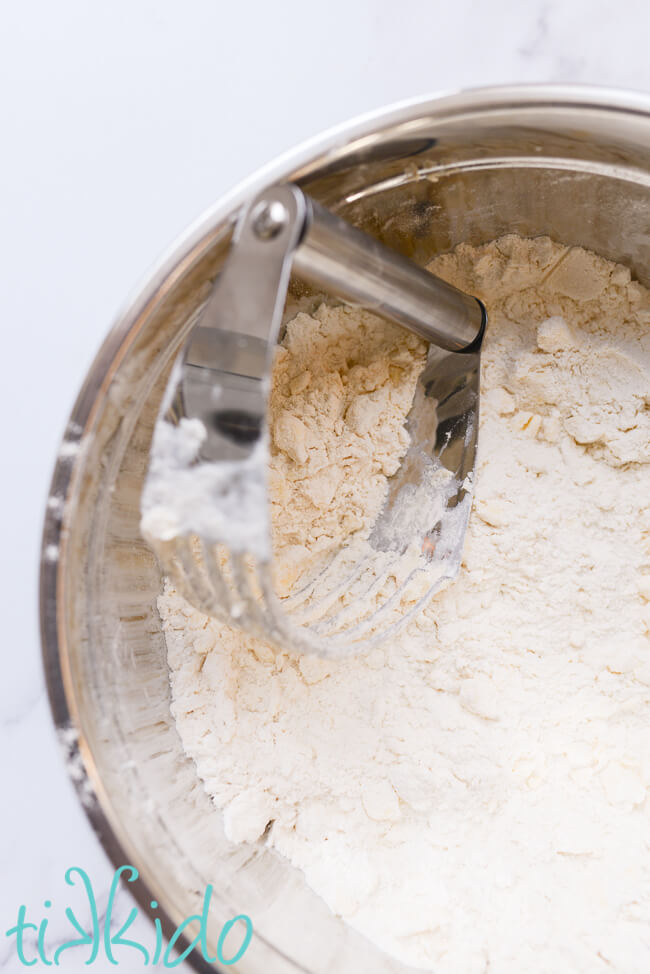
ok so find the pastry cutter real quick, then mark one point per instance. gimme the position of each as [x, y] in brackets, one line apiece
[205, 506]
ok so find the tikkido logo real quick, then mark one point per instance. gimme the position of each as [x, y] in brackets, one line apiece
[100, 941]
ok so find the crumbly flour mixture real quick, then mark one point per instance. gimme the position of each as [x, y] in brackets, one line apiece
[343, 384]
[474, 796]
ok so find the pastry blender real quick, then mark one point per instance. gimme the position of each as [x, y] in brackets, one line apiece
[205, 504]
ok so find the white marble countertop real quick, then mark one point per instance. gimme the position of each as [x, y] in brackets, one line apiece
[121, 122]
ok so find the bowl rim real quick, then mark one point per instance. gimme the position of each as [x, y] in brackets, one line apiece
[121, 332]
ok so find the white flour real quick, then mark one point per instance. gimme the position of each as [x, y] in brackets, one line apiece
[473, 797]
[219, 502]
[343, 384]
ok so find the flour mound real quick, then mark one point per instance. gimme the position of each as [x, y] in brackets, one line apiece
[473, 796]
[343, 383]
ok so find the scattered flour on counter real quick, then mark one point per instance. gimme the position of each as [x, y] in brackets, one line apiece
[474, 796]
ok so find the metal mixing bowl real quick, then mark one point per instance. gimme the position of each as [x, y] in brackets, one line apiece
[573, 163]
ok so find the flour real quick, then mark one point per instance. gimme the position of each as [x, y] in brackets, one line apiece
[343, 383]
[474, 796]
[219, 502]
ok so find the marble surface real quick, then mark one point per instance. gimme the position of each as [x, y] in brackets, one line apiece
[121, 122]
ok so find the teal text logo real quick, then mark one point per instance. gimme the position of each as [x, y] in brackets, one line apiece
[99, 941]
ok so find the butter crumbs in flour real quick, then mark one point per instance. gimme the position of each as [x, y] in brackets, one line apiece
[343, 382]
[474, 795]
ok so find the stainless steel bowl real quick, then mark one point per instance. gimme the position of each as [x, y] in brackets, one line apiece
[573, 163]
